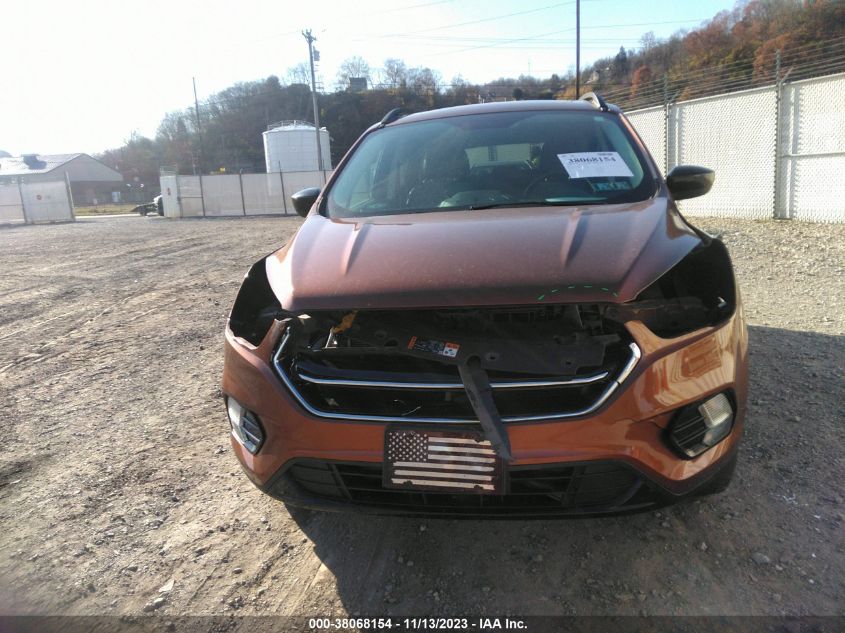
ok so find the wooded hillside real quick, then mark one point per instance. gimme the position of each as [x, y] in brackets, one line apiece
[759, 41]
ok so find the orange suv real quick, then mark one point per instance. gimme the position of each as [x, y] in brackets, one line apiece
[491, 310]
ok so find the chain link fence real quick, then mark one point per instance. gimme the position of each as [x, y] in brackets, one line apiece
[650, 123]
[778, 151]
[811, 144]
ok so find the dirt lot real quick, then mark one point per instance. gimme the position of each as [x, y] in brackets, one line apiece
[116, 479]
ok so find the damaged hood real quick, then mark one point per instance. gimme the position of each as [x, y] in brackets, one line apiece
[502, 256]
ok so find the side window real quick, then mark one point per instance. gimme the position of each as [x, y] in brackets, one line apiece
[399, 171]
[363, 186]
[356, 187]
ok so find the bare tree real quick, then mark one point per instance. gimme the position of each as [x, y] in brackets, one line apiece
[395, 73]
[424, 80]
[299, 74]
[352, 67]
[648, 41]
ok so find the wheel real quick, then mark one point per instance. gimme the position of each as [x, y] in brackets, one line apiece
[142, 211]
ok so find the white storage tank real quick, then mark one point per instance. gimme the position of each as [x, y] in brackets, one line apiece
[292, 146]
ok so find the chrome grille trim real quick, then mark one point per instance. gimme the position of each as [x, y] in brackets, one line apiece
[605, 395]
[452, 386]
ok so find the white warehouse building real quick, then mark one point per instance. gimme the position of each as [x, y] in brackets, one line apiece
[292, 146]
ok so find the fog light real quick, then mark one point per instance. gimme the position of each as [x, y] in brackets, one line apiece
[701, 426]
[245, 425]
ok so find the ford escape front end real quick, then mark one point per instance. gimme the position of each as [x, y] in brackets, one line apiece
[491, 310]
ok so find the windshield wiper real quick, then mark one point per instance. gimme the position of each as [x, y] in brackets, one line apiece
[529, 203]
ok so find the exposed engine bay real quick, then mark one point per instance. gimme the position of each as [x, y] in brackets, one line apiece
[487, 365]
[484, 364]
[554, 340]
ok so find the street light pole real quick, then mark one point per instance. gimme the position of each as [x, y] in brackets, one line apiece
[577, 49]
[311, 39]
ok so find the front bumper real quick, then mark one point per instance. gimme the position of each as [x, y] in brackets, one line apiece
[627, 432]
[546, 490]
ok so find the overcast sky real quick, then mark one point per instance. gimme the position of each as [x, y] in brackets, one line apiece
[81, 75]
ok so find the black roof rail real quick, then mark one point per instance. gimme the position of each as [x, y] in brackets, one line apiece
[598, 102]
[391, 116]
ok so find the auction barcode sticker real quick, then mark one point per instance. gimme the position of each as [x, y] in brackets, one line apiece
[595, 165]
[441, 348]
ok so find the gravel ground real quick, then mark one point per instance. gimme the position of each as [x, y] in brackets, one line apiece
[118, 493]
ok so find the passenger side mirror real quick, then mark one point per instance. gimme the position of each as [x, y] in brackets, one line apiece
[303, 200]
[689, 181]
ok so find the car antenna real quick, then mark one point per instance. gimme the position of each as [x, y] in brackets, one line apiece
[391, 116]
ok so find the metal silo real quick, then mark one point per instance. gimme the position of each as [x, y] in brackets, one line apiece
[292, 146]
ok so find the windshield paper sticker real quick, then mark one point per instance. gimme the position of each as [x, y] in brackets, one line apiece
[595, 165]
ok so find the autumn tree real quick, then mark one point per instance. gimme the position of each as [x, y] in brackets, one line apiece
[642, 77]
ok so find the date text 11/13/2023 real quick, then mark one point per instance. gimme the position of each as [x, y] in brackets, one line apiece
[418, 624]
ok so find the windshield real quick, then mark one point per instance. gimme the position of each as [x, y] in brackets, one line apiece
[548, 157]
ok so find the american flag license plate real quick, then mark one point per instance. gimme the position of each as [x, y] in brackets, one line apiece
[445, 461]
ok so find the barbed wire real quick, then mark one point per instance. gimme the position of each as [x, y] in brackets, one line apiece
[793, 63]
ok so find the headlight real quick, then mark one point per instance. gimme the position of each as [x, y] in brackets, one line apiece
[245, 425]
[255, 306]
[701, 426]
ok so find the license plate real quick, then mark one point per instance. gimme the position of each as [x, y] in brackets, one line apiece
[442, 461]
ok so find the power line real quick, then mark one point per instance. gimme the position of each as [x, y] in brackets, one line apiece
[413, 6]
[536, 37]
[481, 21]
[358, 14]
[460, 40]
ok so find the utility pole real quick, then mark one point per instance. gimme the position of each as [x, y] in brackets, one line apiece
[199, 134]
[311, 39]
[577, 49]
[199, 128]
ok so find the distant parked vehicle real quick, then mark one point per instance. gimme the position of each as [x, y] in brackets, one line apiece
[156, 206]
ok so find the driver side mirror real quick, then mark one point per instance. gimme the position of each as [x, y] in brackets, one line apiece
[689, 181]
[303, 200]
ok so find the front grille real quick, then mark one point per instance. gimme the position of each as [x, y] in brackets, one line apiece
[388, 388]
[529, 490]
